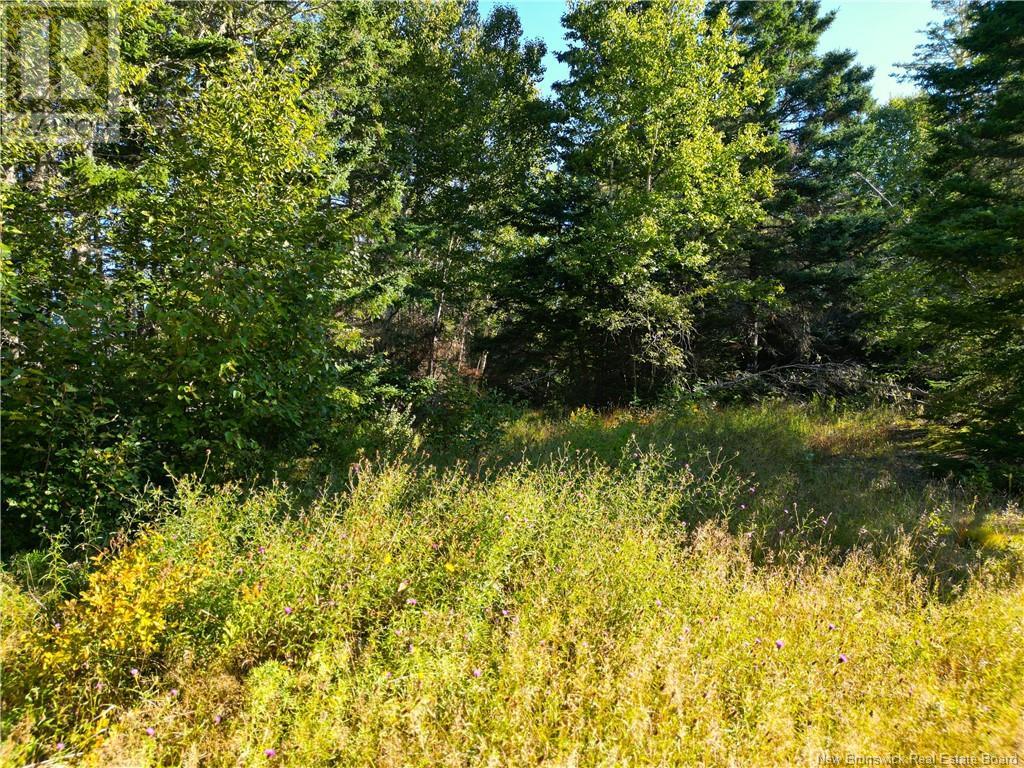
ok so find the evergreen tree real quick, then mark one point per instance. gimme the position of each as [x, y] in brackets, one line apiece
[959, 295]
[804, 255]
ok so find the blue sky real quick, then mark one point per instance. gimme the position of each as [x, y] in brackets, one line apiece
[882, 32]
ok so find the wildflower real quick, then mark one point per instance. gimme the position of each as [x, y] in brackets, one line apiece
[757, 641]
[174, 692]
[504, 612]
[743, 506]
[779, 644]
[842, 658]
[135, 672]
[262, 550]
[270, 752]
[60, 745]
[216, 719]
[658, 603]
[411, 601]
[831, 626]
[151, 731]
[477, 672]
[287, 610]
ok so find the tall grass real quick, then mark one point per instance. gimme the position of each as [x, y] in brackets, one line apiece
[607, 590]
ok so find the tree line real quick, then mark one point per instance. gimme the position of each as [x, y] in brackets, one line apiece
[314, 213]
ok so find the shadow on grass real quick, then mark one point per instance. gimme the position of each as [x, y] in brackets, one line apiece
[801, 479]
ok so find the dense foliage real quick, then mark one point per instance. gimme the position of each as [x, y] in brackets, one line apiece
[318, 221]
[642, 603]
[956, 284]
[273, 491]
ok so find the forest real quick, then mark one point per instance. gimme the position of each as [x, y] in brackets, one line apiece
[365, 403]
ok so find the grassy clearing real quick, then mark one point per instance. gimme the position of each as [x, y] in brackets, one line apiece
[747, 586]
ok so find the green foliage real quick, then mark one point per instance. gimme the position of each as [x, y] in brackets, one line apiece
[801, 259]
[953, 293]
[460, 418]
[174, 298]
[591, 608]
[650, 196]
[322, 230]
[467, 136]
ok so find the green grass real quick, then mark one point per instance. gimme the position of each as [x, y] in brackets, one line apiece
[602, 590]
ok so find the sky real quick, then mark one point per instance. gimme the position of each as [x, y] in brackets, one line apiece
[882, 32]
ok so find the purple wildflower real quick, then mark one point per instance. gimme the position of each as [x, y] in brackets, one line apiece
[779, 643]
[60, 745]
[287, 610]
[216, 719]
[411, 601]
[135, 672]
[151, 731]
[831, 626]
[842, 658]
[270, 752]
[174, 691]
[504, 612]
[477, 672]
[262, 550]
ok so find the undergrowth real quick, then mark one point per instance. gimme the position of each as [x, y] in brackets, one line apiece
[749, 586]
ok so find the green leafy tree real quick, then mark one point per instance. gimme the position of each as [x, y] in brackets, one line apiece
[175, 297]
[651, 191]
[467, 132]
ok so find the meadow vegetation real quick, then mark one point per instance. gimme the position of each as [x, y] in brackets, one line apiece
[366, 401]
[739, 585]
